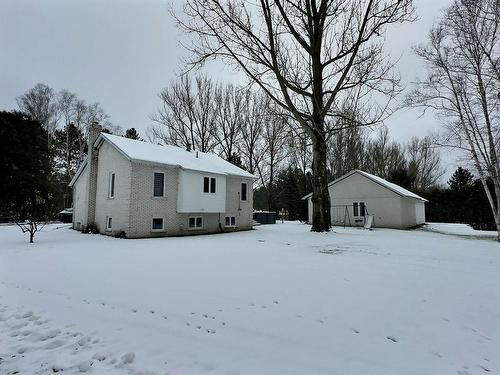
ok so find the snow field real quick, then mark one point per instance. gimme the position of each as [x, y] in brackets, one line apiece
[275, 300]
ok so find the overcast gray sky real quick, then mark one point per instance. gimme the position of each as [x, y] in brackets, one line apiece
[121, 53]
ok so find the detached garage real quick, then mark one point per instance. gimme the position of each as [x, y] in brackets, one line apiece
[358, 194]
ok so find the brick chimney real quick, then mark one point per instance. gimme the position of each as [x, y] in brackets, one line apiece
[94, 132]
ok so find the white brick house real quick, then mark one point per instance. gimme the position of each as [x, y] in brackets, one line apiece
[138, 189]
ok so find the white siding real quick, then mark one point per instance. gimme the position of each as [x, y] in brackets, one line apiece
[242, 210]
[191, 197]
[420, 212]
[384, 204]
[118, 208]
[80, 200]
[408, 218]
[309, 210]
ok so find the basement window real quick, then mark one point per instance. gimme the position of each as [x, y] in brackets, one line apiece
[109, 223]
[230, 221]
[157, 223]
[195, 222]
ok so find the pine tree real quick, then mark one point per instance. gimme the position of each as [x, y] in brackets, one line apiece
[26, 181]
[462, 179]
[132, 134]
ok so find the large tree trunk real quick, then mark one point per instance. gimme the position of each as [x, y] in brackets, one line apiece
[321, 220]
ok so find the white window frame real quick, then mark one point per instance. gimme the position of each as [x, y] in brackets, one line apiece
[195, 221]
[362, 212]
[359, 209]
[164, 185]
[111, 185]
[109, 223]
[230, 225]
[209, 185]
[241, 191]
[162, 224]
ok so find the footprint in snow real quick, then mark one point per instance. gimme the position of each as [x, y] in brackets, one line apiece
[164, 317]
[393, 339]
[275, 302]
[355, 330]
[486, 369]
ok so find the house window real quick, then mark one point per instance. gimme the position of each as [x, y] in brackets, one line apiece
[111, 190]
[157, 223]
[243, 191]
[359, 209]
[212, 185]
[159, 184]
[230, 221]
[195, 222]
[109, 223]
[209, 185]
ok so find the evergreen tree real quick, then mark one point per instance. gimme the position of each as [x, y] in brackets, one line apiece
[461, 180]
[235, 159]
[132, 134]
[26, 181]
[402, 177]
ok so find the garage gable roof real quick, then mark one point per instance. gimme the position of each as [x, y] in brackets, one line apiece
[379, 180]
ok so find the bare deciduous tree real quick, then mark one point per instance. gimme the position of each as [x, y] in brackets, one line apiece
[462, 86]
[229, 108]
[305, 55]
[40, 104]
[251, 145]
[424, 162]
[382, 156]
[187, 117]
[31, 227]
[274, 139]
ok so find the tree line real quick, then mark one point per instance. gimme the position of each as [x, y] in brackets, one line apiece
[43, 143]
[311, 58]
[243, 126]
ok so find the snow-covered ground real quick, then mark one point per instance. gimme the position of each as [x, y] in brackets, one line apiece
[275, 300]
[458, 230]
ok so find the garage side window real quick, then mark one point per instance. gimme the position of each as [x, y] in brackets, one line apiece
[111, 187]
[243, 191]
[359, 209]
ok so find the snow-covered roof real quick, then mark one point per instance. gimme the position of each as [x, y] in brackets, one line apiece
[172, 155]
[379, 180]
[79, 171]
